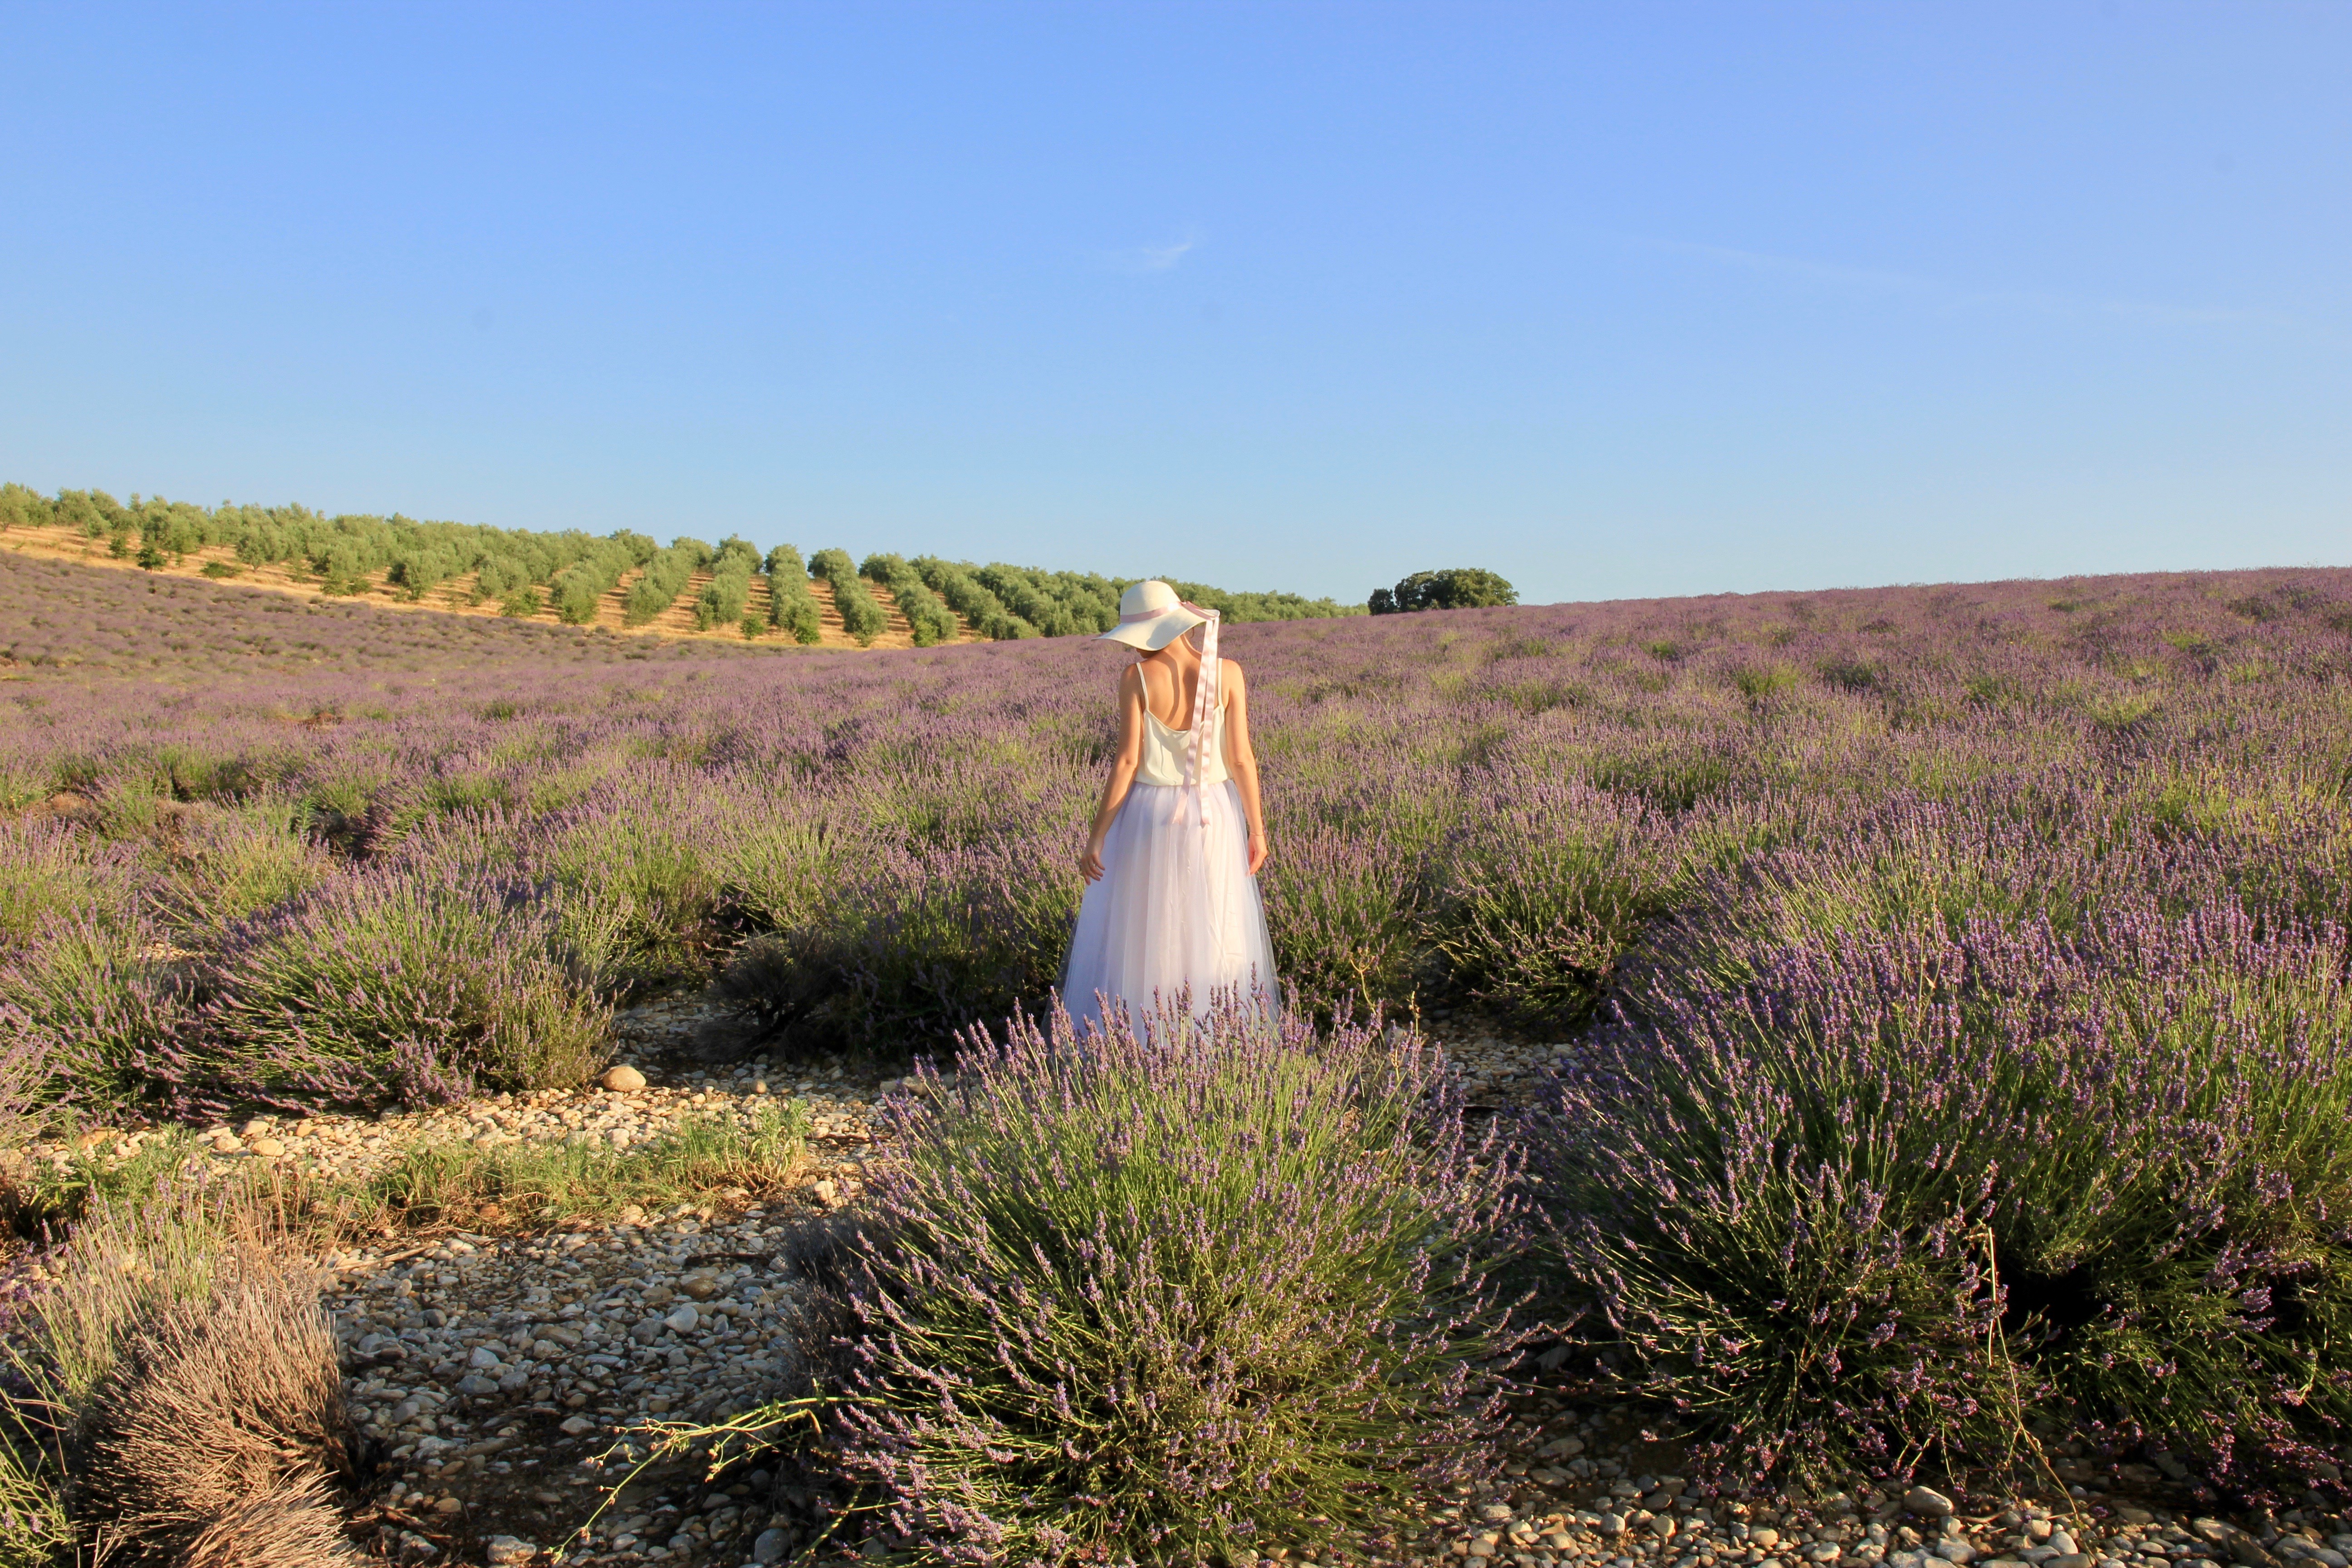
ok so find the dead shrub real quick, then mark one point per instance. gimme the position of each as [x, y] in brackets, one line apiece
[215, 1411]
[296, 1525]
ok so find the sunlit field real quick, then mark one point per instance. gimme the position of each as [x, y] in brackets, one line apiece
[1956, 975]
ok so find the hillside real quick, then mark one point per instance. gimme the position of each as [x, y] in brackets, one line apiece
[60, 619]
[623, 582]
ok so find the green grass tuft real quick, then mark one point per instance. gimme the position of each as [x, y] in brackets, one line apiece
[446, 1181]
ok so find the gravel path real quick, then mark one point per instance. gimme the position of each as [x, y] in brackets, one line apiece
[1586, 1488]
[490, 1368]
[490, 1371]
[494, 1370]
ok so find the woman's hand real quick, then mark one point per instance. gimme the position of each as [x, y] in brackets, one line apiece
[1090, 864]
[1256, 850]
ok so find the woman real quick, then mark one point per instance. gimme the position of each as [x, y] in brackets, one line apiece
[1171, 909]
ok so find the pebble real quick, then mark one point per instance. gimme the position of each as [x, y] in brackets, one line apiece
[347, 1147]
[490, 1362]
[552, 1315]
[482, 1363]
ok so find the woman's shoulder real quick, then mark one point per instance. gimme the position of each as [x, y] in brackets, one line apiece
[1229, 669]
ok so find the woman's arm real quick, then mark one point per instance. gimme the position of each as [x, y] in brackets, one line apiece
[1123, 763]
[1240, 760]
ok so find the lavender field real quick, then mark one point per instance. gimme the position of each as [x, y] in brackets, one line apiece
[1961, 970]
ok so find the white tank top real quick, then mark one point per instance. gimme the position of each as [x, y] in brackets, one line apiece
[1163, 754]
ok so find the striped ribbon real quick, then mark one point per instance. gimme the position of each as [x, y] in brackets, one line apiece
[1205, 718]
[1202, 733]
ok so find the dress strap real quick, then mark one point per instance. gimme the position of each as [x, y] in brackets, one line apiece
[1195, 794]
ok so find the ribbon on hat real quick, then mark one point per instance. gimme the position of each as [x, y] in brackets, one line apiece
[1204, 720]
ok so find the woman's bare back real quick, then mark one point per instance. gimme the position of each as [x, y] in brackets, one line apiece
[1172, 682]
[1162, 688]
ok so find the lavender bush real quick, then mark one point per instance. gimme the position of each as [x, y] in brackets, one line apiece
[924, 942]
[226, 867]
[392, 988]
[1548, 883]
[1345, 915]
[1900, 1192]
[26, 1073]
[1174, 1297]
[1661, 810]
[91, 1013]
[651, 880]
[51, 875]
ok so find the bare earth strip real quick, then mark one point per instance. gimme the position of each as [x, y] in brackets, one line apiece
[456, 597]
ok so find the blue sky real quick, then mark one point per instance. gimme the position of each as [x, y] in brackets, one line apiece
[1614, 300]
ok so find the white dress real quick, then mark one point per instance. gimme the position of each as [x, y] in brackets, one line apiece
[1176, 913]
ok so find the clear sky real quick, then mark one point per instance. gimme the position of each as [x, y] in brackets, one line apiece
[1615, 299]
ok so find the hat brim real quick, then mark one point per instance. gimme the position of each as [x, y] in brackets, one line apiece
[1156, 633]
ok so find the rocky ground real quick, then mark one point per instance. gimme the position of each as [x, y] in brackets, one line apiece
[495, 1375]
[1586, 1488]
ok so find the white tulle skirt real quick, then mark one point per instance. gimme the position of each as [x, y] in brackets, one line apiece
[1176, 911]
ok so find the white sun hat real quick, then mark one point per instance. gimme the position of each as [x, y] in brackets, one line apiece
[1150, 616]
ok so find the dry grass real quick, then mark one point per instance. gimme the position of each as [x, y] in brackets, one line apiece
[214, 1408]
[121, 1266]
[184, 1403]
[294, 1525]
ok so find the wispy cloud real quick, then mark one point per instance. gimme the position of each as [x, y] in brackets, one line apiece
[1154, 258]
[1946, 295]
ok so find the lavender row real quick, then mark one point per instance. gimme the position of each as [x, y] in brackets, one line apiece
[1498, 806]
[1962, 966]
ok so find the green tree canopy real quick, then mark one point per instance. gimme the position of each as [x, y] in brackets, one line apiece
[1456, 588]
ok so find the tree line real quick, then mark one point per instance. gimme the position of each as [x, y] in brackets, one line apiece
[571, 571]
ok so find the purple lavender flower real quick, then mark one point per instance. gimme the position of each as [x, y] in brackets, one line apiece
[1173, 1293]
